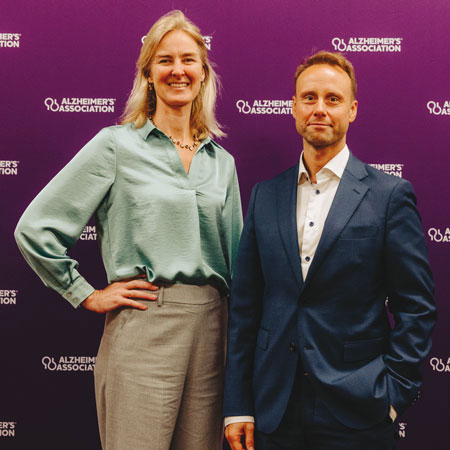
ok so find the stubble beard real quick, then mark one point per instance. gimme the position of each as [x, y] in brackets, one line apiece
[317, 140]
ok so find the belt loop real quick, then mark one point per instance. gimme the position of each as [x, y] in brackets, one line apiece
[160, 296]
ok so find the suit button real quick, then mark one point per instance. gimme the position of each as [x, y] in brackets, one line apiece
[305, 374]
[292, 347]
[307, 347]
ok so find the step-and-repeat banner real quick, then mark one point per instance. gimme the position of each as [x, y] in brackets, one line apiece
[66, 69]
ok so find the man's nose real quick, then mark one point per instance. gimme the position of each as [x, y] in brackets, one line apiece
[319, 107]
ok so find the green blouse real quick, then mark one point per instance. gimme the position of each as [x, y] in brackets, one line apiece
[151, 216]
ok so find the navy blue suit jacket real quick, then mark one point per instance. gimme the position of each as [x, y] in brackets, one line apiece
[335, 321]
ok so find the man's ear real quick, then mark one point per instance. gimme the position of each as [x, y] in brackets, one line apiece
[353, 110]
[294, 104]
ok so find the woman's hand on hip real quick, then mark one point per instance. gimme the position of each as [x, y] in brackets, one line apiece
[120, 293]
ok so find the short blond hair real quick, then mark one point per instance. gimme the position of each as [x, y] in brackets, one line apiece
[141, 103]
[332, 59]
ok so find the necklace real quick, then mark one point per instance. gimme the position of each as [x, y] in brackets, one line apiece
[178, 142]
[181, 145]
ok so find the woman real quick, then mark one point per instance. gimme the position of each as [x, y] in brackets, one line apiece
[166, 202]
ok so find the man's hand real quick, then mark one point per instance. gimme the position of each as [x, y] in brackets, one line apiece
[119, 294]
[234, 433]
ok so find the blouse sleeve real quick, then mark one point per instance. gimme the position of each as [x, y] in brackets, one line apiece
[55, 219]
[233, 209]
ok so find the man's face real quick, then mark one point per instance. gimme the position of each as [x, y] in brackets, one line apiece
[323, 106]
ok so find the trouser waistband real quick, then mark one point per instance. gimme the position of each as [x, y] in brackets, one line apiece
[185, 293]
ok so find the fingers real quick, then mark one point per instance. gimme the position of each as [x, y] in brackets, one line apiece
[144, 295]
[249, 436]
[235, 444]
[121, 293]
[134, 304]
[140, 284]
[233, 433]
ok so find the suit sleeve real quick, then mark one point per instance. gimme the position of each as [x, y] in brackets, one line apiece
[243, 321]
[411, 297]
[55, 219]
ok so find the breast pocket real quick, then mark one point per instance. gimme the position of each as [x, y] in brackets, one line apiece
[358, 246]
[359, 232]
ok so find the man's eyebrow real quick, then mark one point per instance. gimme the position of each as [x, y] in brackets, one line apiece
[328, 94]
[307, 93]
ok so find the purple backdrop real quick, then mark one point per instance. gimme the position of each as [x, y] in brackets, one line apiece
[80, 55]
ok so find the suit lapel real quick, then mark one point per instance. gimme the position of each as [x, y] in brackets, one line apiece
[348, 196]
[287, 219]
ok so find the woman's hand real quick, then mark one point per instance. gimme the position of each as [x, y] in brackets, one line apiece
[119, 294]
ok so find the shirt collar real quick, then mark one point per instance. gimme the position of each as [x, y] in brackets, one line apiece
[336, 165]
[148, 127]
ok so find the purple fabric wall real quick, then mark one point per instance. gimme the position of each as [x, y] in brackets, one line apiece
[51, 51]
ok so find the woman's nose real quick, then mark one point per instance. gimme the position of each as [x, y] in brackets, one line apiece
[178, 68]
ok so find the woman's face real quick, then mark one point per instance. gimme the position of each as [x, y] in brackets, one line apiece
[176, 70]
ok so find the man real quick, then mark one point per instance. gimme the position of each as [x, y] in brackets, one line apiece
[312, 358]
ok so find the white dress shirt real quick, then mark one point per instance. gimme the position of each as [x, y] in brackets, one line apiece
[314, 202]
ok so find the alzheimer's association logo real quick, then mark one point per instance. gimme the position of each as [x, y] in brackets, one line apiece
[207, 40]
[264, 107]
[7, 429]
[84, 105]
[10, 40]
[9, 167]
[437, 235]
[440, 365]
[395, 169]
[8, 296]
[402, 429]
[69, 363]
[89, 233]
[367, 44]
[436, 109]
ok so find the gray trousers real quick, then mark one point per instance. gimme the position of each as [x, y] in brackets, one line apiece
[159, 372]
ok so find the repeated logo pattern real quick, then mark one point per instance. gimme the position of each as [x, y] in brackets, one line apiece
[264, 107]
[367, 44]
[85, 105]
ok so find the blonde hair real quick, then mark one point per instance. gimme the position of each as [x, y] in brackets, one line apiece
[141, 103]
[332, 59]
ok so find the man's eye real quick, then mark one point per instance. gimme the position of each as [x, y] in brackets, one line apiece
[334, 99]
[309, 98]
